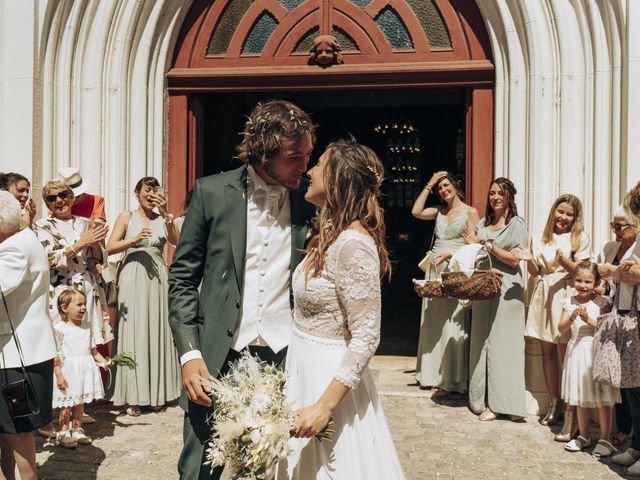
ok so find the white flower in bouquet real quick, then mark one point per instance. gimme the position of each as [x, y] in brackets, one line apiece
[252, 422]
[260, 402]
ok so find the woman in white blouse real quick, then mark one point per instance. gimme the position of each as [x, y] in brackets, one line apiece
[24, 280]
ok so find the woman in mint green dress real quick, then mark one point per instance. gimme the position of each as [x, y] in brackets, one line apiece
[143, 309]
[496, 366]
[443, 344]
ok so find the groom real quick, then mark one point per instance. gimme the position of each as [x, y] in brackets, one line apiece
[242, 238]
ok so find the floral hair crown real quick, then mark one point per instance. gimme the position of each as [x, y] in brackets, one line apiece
[379, 176]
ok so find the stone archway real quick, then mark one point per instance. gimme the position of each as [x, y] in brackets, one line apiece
[563, 98]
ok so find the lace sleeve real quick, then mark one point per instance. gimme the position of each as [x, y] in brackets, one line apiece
[358, 290]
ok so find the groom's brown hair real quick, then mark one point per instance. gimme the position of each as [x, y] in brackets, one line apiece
[267, 124]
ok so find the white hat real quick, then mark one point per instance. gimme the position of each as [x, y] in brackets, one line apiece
[72, 178]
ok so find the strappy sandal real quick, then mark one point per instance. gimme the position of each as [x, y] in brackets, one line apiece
[619, 438]
[133, 411]
[604, 449]
[439, 392]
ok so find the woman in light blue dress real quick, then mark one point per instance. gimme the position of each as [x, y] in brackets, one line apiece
[443, 344]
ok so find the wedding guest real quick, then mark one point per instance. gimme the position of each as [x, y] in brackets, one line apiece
[19, 187]
[84, 204]
[91, 207]
[24, 282]
[609, 258]
[142, 319]
[496, 354]
[552, 258]
[74, 248]
[76, 370]
[580, 316]
[443, 345]
[242, 238]
[629, 274]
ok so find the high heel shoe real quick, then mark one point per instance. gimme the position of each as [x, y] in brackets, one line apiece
[569, 429]
[554, 413]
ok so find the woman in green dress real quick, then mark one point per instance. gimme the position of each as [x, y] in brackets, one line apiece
[143, 323]
[443, 344]
[496, 353]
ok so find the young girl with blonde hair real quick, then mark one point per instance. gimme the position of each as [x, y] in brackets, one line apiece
[579, 316]
[553, 255]
[77, 377]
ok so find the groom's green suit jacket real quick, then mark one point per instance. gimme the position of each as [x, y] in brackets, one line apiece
[212, 250]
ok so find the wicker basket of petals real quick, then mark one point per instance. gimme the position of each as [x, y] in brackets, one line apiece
[428, 288]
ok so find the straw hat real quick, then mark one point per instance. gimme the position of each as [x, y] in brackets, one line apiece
[72, 178]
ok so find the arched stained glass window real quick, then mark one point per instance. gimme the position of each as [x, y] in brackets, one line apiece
[432, 23]
[304, 45]
[226, 26]
[347, 43]
[253, 29]
[259, 34]
[393, 28]
[291, 4]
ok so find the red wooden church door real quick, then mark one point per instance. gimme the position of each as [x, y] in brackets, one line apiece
[257, 45]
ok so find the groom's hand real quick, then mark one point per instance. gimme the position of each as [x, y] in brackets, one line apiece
[192, 372]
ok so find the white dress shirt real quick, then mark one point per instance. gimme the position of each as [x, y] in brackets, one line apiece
[265, 315]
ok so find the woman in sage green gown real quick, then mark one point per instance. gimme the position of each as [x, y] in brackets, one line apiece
[443, 345]
[143, 312]
[496, 366]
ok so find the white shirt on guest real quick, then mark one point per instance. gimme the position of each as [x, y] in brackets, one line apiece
[24, 279]
[265, 314]
[626, 290]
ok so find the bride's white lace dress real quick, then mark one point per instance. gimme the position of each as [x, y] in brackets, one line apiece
[335, 333]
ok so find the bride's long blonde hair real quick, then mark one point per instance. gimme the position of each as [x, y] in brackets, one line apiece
[353, 176]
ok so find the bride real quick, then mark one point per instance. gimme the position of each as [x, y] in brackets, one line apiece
[336, 327]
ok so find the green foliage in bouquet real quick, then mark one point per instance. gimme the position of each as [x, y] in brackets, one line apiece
[124, 359]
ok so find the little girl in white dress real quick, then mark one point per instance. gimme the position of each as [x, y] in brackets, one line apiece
[77, 377]
[578, 388]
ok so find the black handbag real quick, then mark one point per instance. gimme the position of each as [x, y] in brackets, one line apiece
[113, 288]
[20, 396]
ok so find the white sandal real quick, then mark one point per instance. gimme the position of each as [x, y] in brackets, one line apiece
[578, 444]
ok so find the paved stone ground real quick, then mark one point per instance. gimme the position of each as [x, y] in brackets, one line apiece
[440, 440]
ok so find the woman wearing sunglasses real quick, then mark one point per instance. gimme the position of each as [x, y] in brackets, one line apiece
[74, 247]
[608, 260]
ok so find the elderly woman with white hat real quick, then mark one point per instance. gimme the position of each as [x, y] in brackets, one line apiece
[84, 204]
[24, 281]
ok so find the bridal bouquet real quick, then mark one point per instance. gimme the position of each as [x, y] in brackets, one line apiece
[252, 422]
